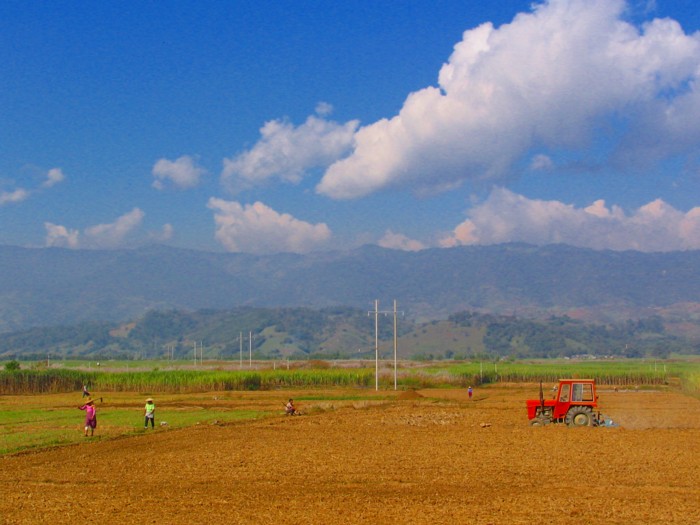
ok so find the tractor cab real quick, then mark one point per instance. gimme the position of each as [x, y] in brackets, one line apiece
[573, 403]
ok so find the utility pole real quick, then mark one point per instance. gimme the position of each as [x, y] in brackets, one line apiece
[395, 347]
[240, 349]
[376, 343]
[250, 349]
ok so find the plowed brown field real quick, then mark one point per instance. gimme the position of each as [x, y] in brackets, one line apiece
[431, 457]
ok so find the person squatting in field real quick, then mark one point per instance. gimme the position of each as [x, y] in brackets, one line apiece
[289, 408]
[90, 416]
[149, 414]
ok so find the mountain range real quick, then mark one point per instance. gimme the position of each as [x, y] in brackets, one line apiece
[54, 286]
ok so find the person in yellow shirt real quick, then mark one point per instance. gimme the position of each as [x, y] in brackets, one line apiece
[149, 414]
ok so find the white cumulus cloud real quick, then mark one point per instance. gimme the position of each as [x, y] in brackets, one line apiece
[53, 177]
[60, 236]
[166, 233]
[110, 235]
[257, 228]
[286, 152]
[561, 78]
[508, 217]
[398, 241]
[113, 234]
[182, 172]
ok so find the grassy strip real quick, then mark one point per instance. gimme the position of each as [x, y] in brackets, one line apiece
[28, 422]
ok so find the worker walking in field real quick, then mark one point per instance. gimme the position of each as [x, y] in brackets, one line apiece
[149, 414]
[85, 391]
[90, 417]
[470, 392]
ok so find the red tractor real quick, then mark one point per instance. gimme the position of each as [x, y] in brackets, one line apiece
[575, 402]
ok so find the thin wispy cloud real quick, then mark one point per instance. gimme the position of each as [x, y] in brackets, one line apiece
[53, 176]
[165, 234]
[17, 195]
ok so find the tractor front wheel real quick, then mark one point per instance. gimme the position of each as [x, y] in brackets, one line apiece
[579, 417]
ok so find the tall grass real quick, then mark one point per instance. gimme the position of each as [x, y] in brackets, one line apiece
[605, 373]
[43, 381]
[690, 382]
[622, 373]
[55, 381]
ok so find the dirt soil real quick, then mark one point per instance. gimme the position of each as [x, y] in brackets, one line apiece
[429, 457]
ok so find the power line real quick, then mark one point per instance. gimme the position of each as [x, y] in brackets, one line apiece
[376, 342]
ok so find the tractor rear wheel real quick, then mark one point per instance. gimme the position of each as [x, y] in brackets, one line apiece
[579, 416]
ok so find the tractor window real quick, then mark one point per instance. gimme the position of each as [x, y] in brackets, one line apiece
[582, 392]
[578, 392]
[587, 392]
[564, 393]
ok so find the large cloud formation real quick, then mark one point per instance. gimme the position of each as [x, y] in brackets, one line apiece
[568, 76]
[506, 217]
[257, 228]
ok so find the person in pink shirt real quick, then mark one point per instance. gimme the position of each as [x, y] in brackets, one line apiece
[90, 417]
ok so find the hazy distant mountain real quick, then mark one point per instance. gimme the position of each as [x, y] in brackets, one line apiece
[50, 286]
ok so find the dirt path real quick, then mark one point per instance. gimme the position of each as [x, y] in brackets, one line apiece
[424, 460]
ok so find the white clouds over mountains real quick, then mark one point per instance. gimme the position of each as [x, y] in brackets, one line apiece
[507, 217]
[555, 80]
[571, 83]
[109, 235]
[257, 228]
[571, 79]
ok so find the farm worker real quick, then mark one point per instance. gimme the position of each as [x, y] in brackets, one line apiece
[85, 391]
[289, 408]
[149, 413]
[90, 416]
[470, 391]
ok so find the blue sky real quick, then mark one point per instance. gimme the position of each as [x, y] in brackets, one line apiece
[265, 127]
